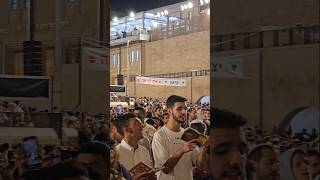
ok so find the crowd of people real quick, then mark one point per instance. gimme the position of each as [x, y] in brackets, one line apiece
[87, 158]
[151, 132]
[143, 141]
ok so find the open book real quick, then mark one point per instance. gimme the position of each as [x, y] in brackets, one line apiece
[143, 168]
[190, 134]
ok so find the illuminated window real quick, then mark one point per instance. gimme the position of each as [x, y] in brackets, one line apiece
[118, 59]
[132, 56]
[137, 55]
[114, 59]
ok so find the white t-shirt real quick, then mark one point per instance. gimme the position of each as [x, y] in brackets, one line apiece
[165, 144]
[129, 157]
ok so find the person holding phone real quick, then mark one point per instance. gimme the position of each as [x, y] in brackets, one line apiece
[30, 149]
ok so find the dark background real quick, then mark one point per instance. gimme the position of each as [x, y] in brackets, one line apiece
[122, 8]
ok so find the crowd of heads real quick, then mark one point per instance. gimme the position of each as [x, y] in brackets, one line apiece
[88, 161]
[149, 131]
[239, 150]
[85, 159]
[236, 149]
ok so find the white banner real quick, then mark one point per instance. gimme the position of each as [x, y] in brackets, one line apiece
[95, 59]
[160, 81]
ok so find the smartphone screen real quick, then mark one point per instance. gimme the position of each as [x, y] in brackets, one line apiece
[120, 110]
[30, 149]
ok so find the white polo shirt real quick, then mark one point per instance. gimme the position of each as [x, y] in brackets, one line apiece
[129, 157]
[165, 144]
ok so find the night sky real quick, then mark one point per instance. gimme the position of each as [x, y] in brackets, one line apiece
[121, 8]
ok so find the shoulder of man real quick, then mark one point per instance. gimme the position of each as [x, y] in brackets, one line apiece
[159, 133]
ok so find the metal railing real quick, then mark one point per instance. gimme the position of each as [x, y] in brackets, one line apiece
[32, 120]
[185, 74]
[266, 39]
[198, 23]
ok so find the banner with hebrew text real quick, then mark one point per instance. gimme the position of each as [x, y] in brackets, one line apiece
[160, 81]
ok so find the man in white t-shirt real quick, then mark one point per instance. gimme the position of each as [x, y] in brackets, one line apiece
[129, 151]
[169, 151]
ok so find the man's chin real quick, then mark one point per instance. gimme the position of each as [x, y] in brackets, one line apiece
[181, 121]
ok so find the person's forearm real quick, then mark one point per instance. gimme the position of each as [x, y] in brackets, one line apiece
[202, 158]
[172, 162]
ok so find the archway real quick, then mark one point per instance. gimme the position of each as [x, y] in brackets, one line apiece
[204, 100]
[301, 118]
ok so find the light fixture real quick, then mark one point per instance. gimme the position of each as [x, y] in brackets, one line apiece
[188, 5]
[132, 14]
[115, 19]
[162, 13]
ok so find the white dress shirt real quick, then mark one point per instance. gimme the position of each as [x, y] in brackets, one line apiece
[129, 157]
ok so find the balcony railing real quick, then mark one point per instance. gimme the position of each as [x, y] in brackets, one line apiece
[266, 39]
[34, 120]
[177, 74]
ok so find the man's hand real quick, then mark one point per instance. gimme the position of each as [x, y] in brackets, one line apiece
[201, 162]
[206, 143]
[189, 146]
[145, 176]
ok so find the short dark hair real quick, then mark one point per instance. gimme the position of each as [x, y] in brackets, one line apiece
[149, 115]
[97, 148]
[123, 121]
[140, 108]
[190, 109]
[221, 118]
[68, 169]
[173, 99]
[256, 153]
[313, 152]
[155, 117]
[165, 114]
[150, 121]
[201, 128]
[157, 107]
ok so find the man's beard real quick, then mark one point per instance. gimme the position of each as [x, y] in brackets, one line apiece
[180, 120]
